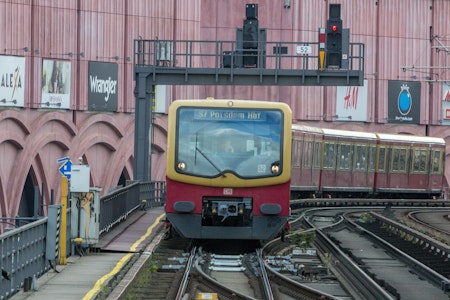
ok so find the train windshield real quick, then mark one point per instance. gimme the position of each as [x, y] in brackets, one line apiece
[212, 142]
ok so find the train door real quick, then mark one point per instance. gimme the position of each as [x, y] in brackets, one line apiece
[295, 156]
[436, 169]
[329, 165]
[306, 163]
[296, 179]
[371, 164]
[343, 178]
[398, 179]
[316, 159]
[362, 177]
[382, 167]
[419, 171]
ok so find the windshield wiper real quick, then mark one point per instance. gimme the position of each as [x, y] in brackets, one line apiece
[210, 161]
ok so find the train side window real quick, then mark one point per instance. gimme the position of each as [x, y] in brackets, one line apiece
[360, 157]
[372, 153]
[329, 156]
[316, 155]
[403, 158]
[344, 157]
[416, 161]
[420, 161]
[437, 162]
[382, 159]
[399, 159]
[395, 159]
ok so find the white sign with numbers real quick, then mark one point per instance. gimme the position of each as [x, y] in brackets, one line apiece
[304, 49]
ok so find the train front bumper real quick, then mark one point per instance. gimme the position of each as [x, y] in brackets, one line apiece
[261, 228]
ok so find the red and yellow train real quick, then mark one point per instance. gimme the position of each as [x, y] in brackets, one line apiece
[228, 168]
[233, 166]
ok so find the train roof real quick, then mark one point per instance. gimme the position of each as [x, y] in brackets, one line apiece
[371, 136]
[349, 134]
[334, 132]
[306, 128]
[212, 102]
[410, 138]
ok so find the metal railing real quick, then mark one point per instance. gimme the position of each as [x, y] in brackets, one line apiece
[230, 54]
[24, 251]
[22, 256]
[117, 205]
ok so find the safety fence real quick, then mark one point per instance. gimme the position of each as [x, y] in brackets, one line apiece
[29, 251]
[117, 205]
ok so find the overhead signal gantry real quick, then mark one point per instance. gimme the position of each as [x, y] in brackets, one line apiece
[249, 60]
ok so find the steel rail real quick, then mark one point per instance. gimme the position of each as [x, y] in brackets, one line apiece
[264, 278]
[220, 288]
[187, 271]
[427, 272]
[363, 284]
[411, 215]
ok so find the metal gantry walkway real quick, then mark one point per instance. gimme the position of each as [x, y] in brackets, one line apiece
[188, 62]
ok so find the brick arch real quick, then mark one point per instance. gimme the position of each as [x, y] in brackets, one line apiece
[107, 120]
[51, 136]
[16, 118]
[107, 154]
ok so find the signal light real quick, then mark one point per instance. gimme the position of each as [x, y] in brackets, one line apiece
[333, 44]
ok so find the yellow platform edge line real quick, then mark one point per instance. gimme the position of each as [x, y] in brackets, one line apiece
[99, 284]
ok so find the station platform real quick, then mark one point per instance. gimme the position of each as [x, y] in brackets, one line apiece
[88, 275]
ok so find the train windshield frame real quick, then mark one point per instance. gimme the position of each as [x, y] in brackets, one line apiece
[214, 141]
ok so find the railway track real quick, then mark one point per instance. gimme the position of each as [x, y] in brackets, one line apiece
[178, 271]
[254, 279]
[366, 202]
[333, 273]
[380, 256]
[162, 276]
[437, 222]
[427, 255]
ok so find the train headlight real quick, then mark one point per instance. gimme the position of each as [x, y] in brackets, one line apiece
[275, 169]
[181, 166]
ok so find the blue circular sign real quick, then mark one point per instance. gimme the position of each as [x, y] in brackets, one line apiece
[404, 100]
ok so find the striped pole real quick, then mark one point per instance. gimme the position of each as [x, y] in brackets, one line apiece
[62, 244]
[321, 48]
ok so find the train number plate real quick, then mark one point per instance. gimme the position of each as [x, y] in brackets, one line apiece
[228, 191]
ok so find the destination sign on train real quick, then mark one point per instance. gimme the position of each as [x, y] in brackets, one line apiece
[231, 115]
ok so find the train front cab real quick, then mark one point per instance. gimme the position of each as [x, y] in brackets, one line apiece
[256, 213]
[410, 165]
[241, 194]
